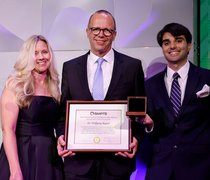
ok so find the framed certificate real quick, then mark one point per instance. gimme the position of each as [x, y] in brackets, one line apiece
[97, 126]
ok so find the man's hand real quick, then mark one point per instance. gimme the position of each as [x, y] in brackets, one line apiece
[148, 122]
[133, 146]
[60, 148]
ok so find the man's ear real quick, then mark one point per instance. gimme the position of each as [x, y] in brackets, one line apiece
[189, 46]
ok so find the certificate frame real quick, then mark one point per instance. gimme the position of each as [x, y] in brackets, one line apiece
[97, 126]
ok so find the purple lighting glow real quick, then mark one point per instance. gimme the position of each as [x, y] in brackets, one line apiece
[143, 27]
[9, 42]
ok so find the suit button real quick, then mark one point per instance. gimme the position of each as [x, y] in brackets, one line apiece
[175, 146]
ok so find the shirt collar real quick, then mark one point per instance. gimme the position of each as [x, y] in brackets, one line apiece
[109, 57]
[183, 71]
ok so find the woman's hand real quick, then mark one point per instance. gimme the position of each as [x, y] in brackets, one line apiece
[60, 148]
[16, 176]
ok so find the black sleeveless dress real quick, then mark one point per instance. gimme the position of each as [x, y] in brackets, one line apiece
[36, 142]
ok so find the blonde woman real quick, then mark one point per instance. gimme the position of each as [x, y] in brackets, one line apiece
[29, 110]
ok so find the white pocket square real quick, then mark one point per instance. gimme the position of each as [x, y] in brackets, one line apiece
[204, 92]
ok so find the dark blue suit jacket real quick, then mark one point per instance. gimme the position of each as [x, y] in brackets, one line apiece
[127, 80]
[182, 144]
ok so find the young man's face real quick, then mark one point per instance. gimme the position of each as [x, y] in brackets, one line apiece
[175, 49]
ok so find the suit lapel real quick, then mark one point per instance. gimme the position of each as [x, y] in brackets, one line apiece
[82, 75]
[163, 91]
[117, 70]
[192, 81]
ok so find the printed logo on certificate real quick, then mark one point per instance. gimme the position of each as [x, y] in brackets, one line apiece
[97, 126]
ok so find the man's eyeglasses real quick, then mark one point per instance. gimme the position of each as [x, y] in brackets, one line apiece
[106, 32]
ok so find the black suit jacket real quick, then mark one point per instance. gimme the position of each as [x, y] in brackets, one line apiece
[127, 80]
[182, 144]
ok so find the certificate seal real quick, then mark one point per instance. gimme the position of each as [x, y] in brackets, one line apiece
[96, 140]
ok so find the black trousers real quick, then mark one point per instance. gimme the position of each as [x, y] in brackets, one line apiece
[97, 172]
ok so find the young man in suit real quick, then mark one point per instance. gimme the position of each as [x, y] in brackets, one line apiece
[181, 134]
[123, 77]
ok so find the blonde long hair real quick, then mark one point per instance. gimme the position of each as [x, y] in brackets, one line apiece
[22, 81]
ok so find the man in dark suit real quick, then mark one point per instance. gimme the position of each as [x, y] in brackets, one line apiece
[123, 77]
[181, 135]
